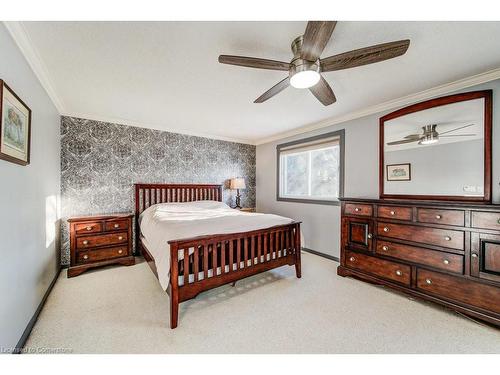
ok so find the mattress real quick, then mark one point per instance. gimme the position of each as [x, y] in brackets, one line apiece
[164, 222]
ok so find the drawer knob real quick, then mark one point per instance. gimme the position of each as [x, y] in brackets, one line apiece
[370, 235]
[352, 259]
[386, 229]
[85, 257]
[120, 251]
[399, 272]
[393, 213]
[474, 255]
[357, 209]
[117, 225]
[498, 221]
[428, 281]
[385, 248]
[89, 228]
[120, 238]
[446, 261]
[447, 238]
[438, 217]
[85, 242]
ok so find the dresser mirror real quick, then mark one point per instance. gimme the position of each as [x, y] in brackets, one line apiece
[438, 150]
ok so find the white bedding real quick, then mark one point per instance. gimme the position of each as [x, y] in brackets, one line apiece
[163, 222]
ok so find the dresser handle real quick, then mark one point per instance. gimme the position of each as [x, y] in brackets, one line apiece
[438, 217]
[393, 213]
[120, 238]
[385, 248]
[370, 235]
[386, 229]
[117, 225]
[120, 251]
[85, 257]
[428, 281]
[85, 242]
[447, 238]
[446, 261]
[352, 259]
[399, 273]
[498, 221]
[357, 209]
[474, 255]
[89, 228]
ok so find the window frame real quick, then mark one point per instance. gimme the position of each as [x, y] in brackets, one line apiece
[337, 133]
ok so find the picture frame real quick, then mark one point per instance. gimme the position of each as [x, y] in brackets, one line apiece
[15, 127]
[398, 172]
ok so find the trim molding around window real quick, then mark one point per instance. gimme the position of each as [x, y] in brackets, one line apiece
[304, 143]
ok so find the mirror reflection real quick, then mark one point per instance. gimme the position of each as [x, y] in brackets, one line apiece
[436, 151]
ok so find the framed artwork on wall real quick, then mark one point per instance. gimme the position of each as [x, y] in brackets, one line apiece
[15, 127]
[399, 172]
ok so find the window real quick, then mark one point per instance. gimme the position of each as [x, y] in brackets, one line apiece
[311, 170]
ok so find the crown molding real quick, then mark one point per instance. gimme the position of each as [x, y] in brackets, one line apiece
[23, 41]
[447, 88]
[139, 124]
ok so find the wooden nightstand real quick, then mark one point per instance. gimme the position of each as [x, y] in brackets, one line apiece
[99, 241]
[247, 209]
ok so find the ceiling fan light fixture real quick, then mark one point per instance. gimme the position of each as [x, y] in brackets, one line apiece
[429, 139]
[305, 79]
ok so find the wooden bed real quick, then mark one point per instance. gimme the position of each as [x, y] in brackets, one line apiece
[252, 252]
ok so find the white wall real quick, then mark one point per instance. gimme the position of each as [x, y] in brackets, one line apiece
[28, 194]
[321, 224]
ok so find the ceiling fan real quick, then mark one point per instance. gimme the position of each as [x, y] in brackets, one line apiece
[305, 67]
[430, 135]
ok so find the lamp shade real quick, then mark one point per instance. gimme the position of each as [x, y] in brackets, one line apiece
[238, 183]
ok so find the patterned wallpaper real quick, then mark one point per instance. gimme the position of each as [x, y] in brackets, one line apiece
[101, 161]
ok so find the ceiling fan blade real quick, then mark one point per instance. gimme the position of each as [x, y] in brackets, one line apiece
[254, 62]
[452, 130]
[457, 135]
[316, 38]
[276, 89]
[403, 141]
[413, 136]
[323, 92]
[364, 56]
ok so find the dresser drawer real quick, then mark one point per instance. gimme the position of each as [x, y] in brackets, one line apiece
[395, 212]
[459, 289]
[440, 237]
[486, 220]
[87, 228]
[441, 216]
[116, 225]
[358, 209]
[383, 268]
[101, 254]
[102, 240]
[419, 255]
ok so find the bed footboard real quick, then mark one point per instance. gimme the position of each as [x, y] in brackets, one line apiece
[206, 262]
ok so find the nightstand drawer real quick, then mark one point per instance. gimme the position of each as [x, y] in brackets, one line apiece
[101, 254]
[86, 242]
[116, 225]
[87, 228]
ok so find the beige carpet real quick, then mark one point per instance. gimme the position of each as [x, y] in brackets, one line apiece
[124, 310]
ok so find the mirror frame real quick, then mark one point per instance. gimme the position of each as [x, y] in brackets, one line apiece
[487, 96]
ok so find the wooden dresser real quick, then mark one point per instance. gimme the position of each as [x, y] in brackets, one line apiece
[99, 241]
[447, 253]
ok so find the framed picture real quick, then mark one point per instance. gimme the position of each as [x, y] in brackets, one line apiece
[398, 172]
[15, 127]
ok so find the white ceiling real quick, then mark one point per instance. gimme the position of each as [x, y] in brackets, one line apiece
[165, 75]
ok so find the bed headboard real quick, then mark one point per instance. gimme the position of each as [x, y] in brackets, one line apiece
[148, 194]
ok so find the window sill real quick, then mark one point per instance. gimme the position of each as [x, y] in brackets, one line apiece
[309, 201]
